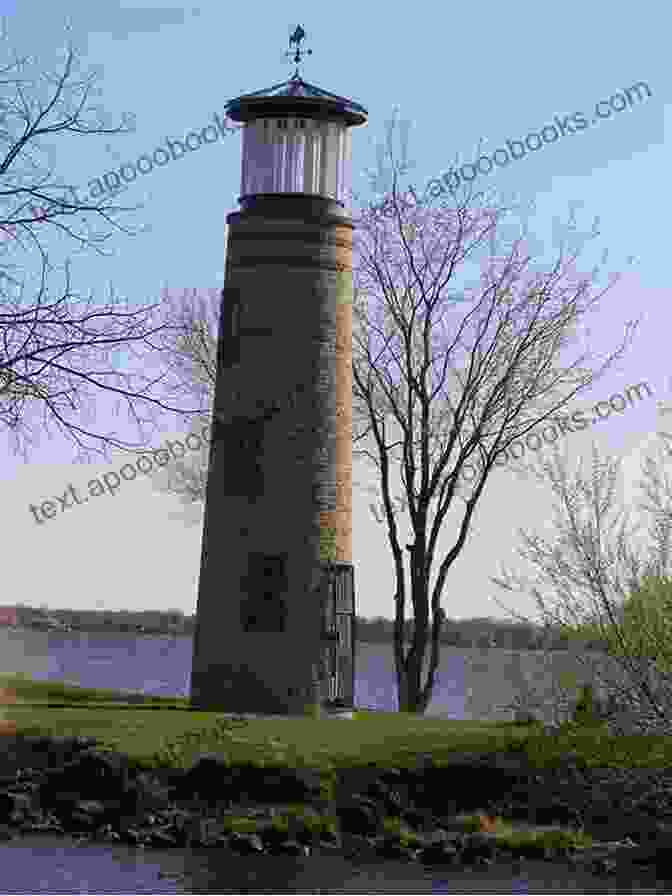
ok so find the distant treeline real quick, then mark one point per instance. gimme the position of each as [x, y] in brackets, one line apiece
[477, 632]
[126, 621]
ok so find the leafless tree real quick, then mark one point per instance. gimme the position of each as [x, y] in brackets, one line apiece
[189, 348]
[431, 402]
[55, 351]
[604, 588]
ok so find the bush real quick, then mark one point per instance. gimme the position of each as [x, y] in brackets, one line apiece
[584, 711]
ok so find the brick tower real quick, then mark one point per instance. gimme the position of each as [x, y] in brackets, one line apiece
[276, 560]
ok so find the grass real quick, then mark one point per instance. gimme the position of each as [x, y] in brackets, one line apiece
[130, 724]
[287, 820]
[506, 835]
[41, 692]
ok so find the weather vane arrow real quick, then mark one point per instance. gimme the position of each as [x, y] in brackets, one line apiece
[296, 38]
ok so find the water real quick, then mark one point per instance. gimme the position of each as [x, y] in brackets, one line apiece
[471, 683]
[46, 864]
[162, 666]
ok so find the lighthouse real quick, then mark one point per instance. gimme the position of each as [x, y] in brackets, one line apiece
[275, 614]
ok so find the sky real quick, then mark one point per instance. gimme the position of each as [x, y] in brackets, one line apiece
[496, 77]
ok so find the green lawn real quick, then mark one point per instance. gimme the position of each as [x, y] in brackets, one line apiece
[131, 724]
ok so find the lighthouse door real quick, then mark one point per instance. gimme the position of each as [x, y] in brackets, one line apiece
[338, 636]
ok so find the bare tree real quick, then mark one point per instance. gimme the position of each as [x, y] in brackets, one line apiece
[503, 356]
[189, 351]
[189, 348]
[54, 352]
[605, 589]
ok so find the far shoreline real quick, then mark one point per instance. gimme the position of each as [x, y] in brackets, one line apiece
[155, 633]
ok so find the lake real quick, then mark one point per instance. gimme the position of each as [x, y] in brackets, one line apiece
[472, 683]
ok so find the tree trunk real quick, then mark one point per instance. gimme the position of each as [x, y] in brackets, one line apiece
[412, 696]
[409, 677]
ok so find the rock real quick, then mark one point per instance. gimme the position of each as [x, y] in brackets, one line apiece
[14, 806]
[612, 823]
[215, 780]
[330, 849]
[330, 838]
[83, 743]
[97, 789]
[356, 846]
[94, 808]
[163, 838]
[132, 837]
[556, 812]
[186, 827]
[419, 819]
[604, 866]
[472, 780]
[95, 776]
[293, 848]
[359, 816]
[152, 793]
[478, 845]
[391, 848]
[289, 785]
[273, 838]
[209, 774]
[81, 820]
[439, 853]
[246, 844]
[21, 752]
[442, 837]
[106, 835]
[98, 795]
[390, 794]
[27, 786]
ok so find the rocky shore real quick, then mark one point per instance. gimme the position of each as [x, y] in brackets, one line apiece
[66, 786]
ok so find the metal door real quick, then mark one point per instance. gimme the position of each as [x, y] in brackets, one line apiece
[339, 635]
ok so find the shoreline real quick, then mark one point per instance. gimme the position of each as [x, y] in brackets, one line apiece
[55, 786]
[207, 871]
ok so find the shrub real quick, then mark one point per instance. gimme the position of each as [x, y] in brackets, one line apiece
[584, 711]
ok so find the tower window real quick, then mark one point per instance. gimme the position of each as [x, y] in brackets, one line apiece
[229, 340]
[266, 580]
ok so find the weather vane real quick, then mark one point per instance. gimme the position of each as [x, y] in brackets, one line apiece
[296, 38]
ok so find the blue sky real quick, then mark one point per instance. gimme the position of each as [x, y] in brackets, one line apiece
[455, 77]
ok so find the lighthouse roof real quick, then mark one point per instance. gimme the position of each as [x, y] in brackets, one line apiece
[295, 97]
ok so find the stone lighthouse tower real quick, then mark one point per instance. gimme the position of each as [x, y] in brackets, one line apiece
[275, 607]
